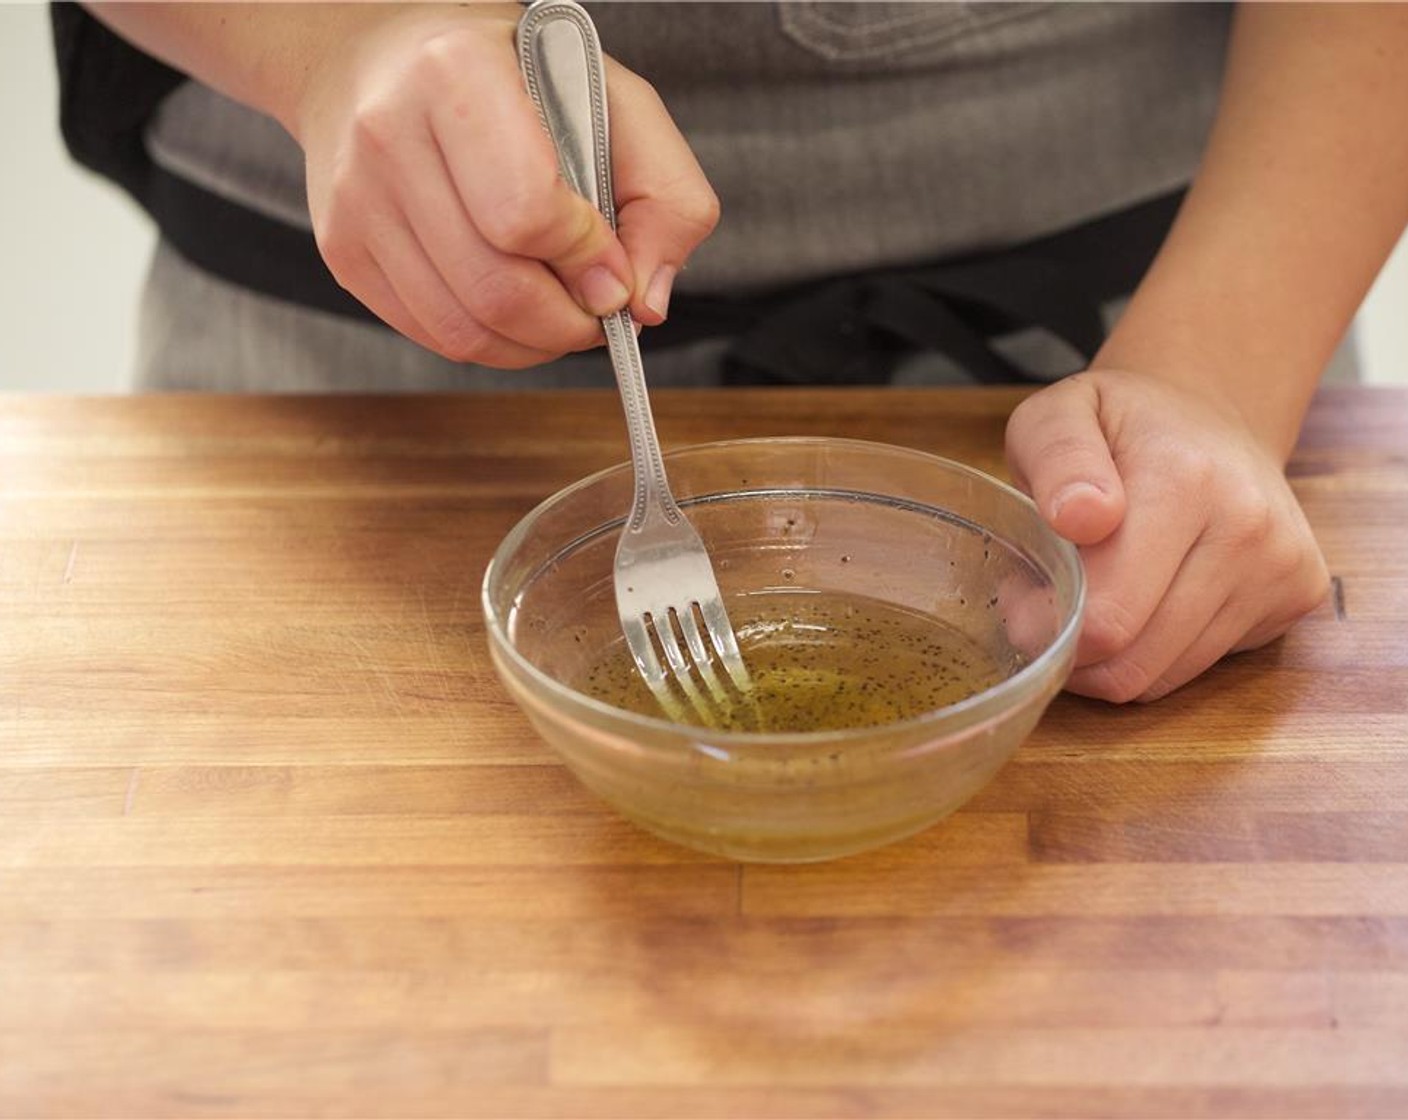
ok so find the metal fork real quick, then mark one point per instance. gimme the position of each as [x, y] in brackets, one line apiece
[666, 593]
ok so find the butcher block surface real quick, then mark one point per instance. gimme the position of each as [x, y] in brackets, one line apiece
[274, 841]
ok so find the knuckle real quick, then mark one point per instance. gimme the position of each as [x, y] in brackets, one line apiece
[460, 338]
[343, 251]
[1036, 436]
[440, 68]
[340, 251]
[374, 128]
[344, 182]
[699, 212]
[1033, 409]
[1064, 452]
[499, 296]
[527, 223]
[1119, 681]
[515, 302]
[1108, 629]
[1250, 521]
[335, 224]
[1019, 425]
[1192, 467]
[1126, 682]
[441, 62]
[626, 82]
[1314, 585]
[1023, 413]
[1284, 561]
[1318, 585]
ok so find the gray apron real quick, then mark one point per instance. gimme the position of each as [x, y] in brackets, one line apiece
[839, 137]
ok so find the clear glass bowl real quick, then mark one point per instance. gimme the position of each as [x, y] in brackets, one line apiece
[809, 516]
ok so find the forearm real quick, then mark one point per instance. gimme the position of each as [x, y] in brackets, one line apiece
[257, 54]
[261, 54]
[1302, 194]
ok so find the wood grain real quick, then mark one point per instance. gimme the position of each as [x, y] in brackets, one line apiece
[274, 841]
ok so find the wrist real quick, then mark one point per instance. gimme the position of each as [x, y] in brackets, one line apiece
[316, 63]
[1239, 363]
[344, 45]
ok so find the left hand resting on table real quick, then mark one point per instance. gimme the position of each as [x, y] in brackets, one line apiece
[1193, 544]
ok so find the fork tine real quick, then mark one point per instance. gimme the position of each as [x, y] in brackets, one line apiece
[721, 635]
[730, 658]
[703, 659]
[665, 632]
[689, 626]
[648, 662]
[669, 643]
[643, 650]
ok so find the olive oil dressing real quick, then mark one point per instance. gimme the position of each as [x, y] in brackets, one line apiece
[824, 663]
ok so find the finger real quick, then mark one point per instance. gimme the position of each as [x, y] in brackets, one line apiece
[1214, 606]
[665, 206]
[1197, 599]
[1228, 631]
[1058, 452]
[505, 170]
[361, 277]
[1203, 654]
[1264, 633]
[518, 298]
[421, 290]
[1237, 631]
[1129, 575]
[1226, 634]
[375, 292]
[1302, 591]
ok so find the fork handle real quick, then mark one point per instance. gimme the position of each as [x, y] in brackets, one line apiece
[560, 56]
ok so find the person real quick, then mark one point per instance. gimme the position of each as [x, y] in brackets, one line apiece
[926, 187]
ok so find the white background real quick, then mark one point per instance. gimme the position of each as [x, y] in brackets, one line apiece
[74, 248]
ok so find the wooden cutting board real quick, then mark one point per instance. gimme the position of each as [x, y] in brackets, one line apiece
[274, 841]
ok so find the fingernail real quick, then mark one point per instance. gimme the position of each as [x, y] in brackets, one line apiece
[601, 292]
[1072, 490]
[657, 292]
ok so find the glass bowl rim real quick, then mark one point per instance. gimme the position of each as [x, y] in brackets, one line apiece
[963, 714]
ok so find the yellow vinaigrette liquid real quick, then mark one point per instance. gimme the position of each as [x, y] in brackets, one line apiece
[823, 663]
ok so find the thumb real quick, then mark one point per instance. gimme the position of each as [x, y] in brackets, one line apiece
[573, 238]
[1058, 453]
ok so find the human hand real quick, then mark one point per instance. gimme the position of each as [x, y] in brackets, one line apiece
[1193, 544]
[436, 199]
